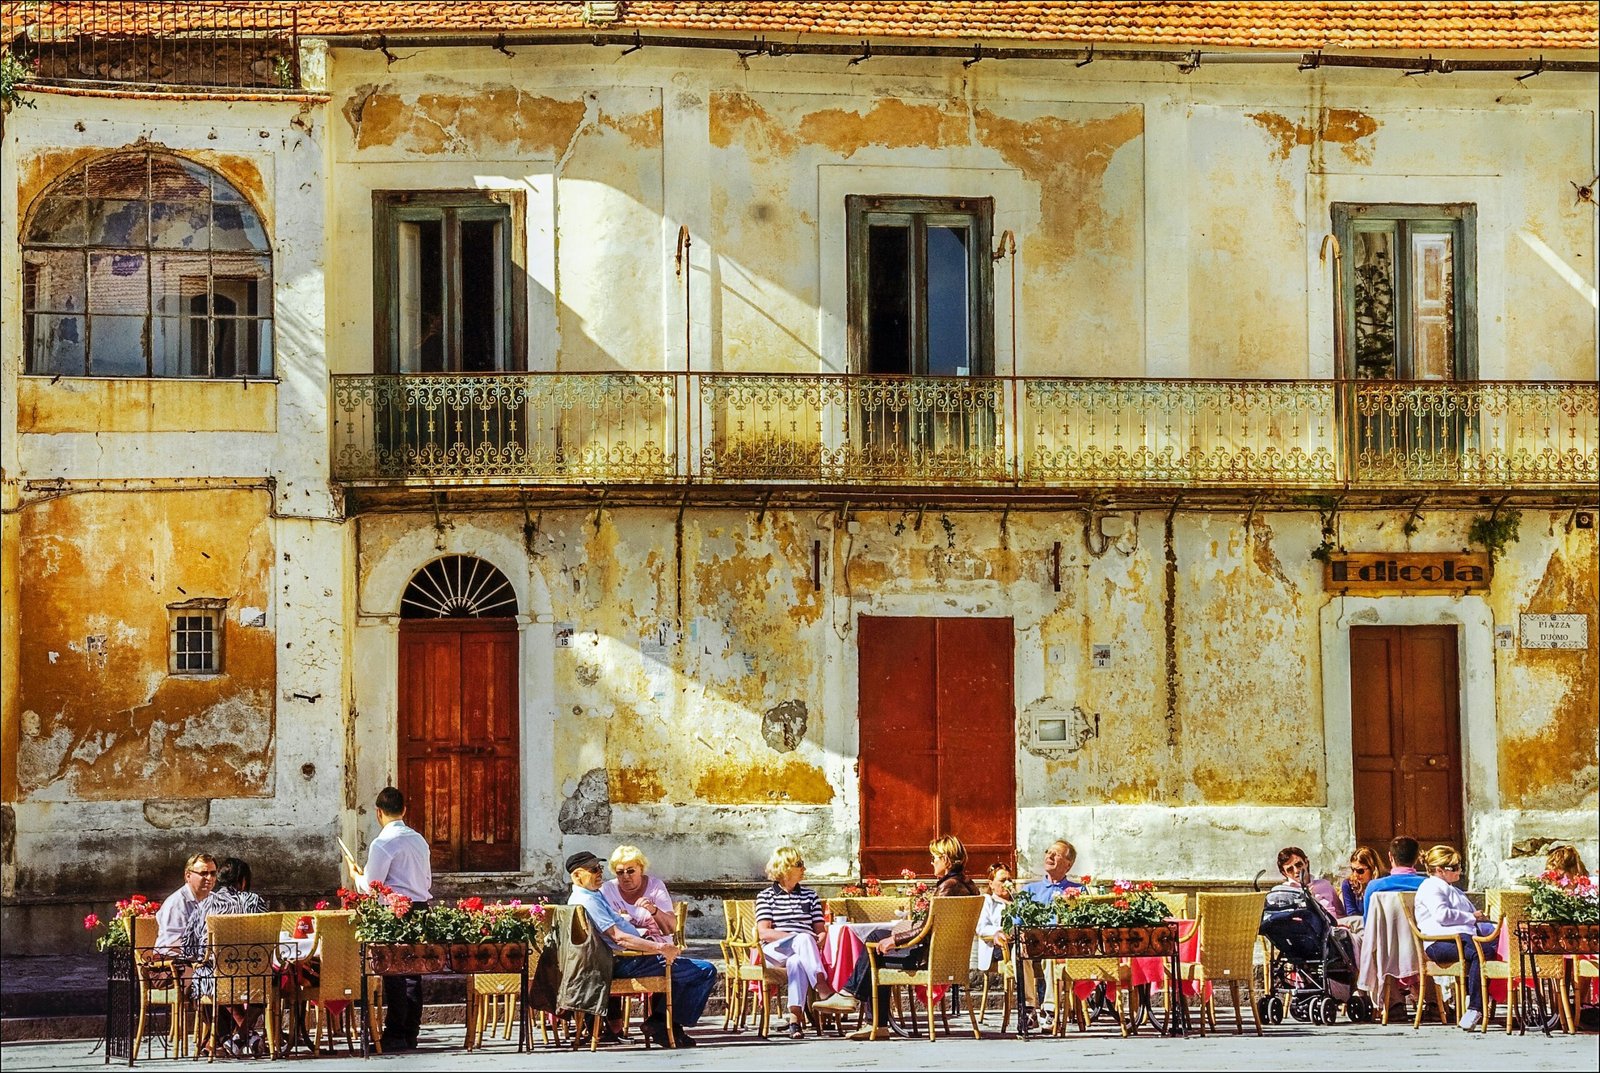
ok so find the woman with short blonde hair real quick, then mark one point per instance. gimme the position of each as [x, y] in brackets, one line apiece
[790, 928]
[640, 898]
[1443, 909]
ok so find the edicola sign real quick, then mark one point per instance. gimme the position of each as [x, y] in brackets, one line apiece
[1408, 573]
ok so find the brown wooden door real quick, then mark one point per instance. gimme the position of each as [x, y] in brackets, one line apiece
[937, 734]
[459, 759]
[1406, 734]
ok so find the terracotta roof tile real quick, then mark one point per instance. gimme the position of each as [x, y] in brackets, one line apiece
[1276, 24]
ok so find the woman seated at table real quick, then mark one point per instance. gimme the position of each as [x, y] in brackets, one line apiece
[991, 922]
[637, 896]
[1364, 868]
[1565, 860]
[790, 928]
[1295, 868]
[233, 895]
[1443, 909]
[949, 859]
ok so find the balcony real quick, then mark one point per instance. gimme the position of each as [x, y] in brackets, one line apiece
[998, 437]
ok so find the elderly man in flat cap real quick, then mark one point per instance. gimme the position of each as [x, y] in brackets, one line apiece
[692, 980]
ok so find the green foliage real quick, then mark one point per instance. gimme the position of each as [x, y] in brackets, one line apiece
[1127, 905]
[14, 71]
[1557, 898]
[1495, 532]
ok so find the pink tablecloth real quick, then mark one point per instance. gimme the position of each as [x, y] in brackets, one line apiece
[844, 946]
[1153, 970]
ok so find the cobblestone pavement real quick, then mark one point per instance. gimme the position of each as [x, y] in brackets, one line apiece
[1338, 1047]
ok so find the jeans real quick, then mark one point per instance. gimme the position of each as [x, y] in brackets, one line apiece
[692, 983]
[1443, 953]
[860, 982]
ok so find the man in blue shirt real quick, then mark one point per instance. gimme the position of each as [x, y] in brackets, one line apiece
[1058, 861]
[1403, 874]
[692, 980]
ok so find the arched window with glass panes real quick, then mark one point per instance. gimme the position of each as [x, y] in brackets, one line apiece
[143, 264]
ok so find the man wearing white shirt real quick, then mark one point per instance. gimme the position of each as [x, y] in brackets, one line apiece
[399, 858]
[184, 904]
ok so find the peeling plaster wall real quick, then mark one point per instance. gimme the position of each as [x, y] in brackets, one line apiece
[121, 493]
[665, 720]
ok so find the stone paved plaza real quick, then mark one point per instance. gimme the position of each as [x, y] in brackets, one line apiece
[1296, 1046]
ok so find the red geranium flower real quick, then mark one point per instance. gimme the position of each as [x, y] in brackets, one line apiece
[91, 921]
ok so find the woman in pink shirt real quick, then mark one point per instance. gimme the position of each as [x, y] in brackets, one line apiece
[640, 897]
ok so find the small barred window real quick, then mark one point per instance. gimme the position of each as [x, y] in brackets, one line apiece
[195, 637]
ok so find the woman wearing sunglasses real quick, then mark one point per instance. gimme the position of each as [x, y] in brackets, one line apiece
[639, 896]
[1364, 868]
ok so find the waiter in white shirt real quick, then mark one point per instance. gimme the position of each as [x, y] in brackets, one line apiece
[400, 859]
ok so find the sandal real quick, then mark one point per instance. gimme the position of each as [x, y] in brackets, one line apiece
[792, 1030]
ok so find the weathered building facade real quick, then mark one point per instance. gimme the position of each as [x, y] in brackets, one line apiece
[763, 430]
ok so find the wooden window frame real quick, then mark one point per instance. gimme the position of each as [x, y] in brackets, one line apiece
[980, 312]
[1463, 220]
[389, 209]
[215, 611]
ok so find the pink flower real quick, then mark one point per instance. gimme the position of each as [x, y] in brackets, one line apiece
[323, 904]
[91, 921]
[399, 904]
[906, 873]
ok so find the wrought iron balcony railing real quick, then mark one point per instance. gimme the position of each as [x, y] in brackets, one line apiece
[964, 432]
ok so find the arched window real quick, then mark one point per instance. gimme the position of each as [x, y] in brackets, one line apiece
[458, 586]
[146, 264]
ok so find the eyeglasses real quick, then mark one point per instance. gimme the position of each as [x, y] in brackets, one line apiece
[1359, 870]
[1449, 868]
[203, 875]
[799, 864]
[626, 871]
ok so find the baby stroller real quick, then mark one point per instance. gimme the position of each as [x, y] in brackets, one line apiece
[1316, 966]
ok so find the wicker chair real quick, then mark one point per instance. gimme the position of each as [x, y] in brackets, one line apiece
[870, 910]
[680, 933]
[338, 976]
[1228, 926]
[749, 966]
[950, 927]
[1510, 907]
[1433, 971]
[1108, 970]
[1002, 973]
[160, 986]
[241, 949]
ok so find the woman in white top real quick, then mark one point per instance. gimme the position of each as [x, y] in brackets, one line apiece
[1442, 909]
[638, 896]
[991, 921]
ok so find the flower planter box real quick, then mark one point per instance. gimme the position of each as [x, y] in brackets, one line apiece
[1158, 940]
[1059, 942]
[488, 957]
[1561, 938]
[406, 959]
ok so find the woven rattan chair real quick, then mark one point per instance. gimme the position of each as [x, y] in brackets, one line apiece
[1228, 925]
[1177, 903]
[1433, 971]
[160, 987]
[680, 933]
[871, 910]
[242, 949]
[1108, 970]
[1510, 907]
[948, 931]
[750, 968]
[338, 977]
[491, 1004]
[1002, 974]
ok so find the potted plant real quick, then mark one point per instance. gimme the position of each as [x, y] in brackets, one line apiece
[1564, 914]
[1126, 921]
[396, 944]
[119, 929]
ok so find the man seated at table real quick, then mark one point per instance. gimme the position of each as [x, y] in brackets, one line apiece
[181, 907]
[233, 895]
[1403, 874]
[692, 980]
[1059, 857]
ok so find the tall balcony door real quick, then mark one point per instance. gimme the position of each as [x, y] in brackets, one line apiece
[1406, 733]
[459, 761]
[937, 738]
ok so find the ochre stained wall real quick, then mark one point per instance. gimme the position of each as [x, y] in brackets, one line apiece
[101, 717]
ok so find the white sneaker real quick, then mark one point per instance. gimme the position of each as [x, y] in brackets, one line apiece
[1471, 1019]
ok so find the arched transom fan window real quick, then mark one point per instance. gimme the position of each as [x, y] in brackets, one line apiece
[458, 586]
[146, 264]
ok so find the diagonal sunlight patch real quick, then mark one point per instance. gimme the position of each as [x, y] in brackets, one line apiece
[1562, 269]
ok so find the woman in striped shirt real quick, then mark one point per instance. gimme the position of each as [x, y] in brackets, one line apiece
[790, 927]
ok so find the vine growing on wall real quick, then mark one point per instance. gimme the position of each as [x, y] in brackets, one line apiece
[1495, 532]
[14, 71]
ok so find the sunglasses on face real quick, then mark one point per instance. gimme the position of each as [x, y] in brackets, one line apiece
[627, 871]
[203, 875]
[1358, 870]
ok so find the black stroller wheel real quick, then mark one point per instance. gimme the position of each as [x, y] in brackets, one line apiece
[1275, 1007]
[1264, 1009]
[1300, 1009]
[1329, 1010]
[1358, 1009]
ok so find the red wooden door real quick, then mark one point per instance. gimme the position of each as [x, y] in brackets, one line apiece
[937, 734]
[1406, 734]
[459, 758]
